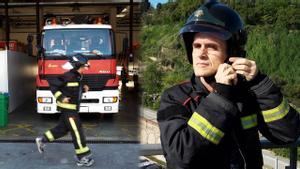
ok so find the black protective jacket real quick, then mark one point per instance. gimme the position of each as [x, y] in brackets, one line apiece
[219, 130]
[67, 85]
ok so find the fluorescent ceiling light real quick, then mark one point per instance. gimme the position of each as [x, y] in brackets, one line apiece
[124, 10]
[121, 15]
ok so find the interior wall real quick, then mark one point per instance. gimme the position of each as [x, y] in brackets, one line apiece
[3, 72]
[21, 73]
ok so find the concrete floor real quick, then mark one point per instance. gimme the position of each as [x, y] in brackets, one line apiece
[61, 156]
[118, 136]
[26, 124]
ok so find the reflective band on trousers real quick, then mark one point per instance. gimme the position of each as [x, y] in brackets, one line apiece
[49, 136]
[276, 113]
[74, 128]
[83, 150]
[205, 128]
[249, 121]
[57, 94]
[66, 105]
[72, 84]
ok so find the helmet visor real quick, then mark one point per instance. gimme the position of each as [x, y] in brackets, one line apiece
[208, 29]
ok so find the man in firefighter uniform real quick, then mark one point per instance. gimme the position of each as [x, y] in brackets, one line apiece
[67, 89]
[213, 120]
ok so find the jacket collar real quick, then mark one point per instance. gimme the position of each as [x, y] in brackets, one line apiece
[76, 73]
[197, 85]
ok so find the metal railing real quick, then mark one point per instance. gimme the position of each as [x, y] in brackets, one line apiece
[155, 149]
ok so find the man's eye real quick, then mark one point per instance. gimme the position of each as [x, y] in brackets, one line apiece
[196, 45]
[213, 47]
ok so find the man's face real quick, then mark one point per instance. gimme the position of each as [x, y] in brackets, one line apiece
[82, 69]
[208, 53]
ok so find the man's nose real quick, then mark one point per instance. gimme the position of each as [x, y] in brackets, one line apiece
[203, 52]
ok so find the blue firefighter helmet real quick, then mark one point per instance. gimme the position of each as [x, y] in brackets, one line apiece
[78, 61]
[221, 21]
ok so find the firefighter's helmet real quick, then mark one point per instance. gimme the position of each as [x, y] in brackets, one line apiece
[217, 19]
[78, 61]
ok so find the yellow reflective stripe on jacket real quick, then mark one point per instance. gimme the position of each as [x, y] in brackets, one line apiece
[249, 121]
[72, 84]
[66, 105]
[78, 139]
[57, 94]
[81, 151]
[49, 136]
[205, 128]
[276, 113]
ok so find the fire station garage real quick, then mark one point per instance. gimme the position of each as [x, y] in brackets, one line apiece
[105, 32]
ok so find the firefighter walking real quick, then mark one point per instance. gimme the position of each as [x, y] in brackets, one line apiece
[213, 120]
[67, 89]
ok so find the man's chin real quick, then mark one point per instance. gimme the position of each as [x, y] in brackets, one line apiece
[204, 74]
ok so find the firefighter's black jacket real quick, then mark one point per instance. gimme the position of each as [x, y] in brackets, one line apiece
[219, 130]
[67, 85]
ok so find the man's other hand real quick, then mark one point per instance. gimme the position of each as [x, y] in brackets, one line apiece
[226, 75]
[86, 88]
[244, 67]
[66, 100]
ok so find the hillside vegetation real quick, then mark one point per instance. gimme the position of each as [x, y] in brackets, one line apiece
[273, 41]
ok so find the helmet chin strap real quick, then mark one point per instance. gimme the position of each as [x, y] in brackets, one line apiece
[210, 79]
[209, 83]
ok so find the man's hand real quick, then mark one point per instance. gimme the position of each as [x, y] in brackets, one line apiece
[86, 88]
[244, 67]
[66, 100]
[226, 75]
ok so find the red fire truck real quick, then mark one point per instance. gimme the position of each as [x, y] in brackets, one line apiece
[97, 43]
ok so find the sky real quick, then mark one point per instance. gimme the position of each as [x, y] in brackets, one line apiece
[155, 2]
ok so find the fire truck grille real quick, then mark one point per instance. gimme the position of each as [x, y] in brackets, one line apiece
[95, 82]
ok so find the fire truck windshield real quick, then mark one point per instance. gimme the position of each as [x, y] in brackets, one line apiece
[67, 42]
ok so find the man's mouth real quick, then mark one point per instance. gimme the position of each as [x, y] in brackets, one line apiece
[202, 64]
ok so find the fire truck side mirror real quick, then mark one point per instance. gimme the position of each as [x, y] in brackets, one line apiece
[29, 45]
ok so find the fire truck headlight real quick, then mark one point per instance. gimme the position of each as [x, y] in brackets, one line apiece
[110, 99]
[44, 99]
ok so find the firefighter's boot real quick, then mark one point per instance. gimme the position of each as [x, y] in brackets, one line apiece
[85, 161]
[40, 144]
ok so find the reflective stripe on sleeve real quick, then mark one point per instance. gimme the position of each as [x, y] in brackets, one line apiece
[66, 105]
[276, 113]
[205, 128]
[49, 136]
[249, 121]
[57, 94]
[72, 84]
